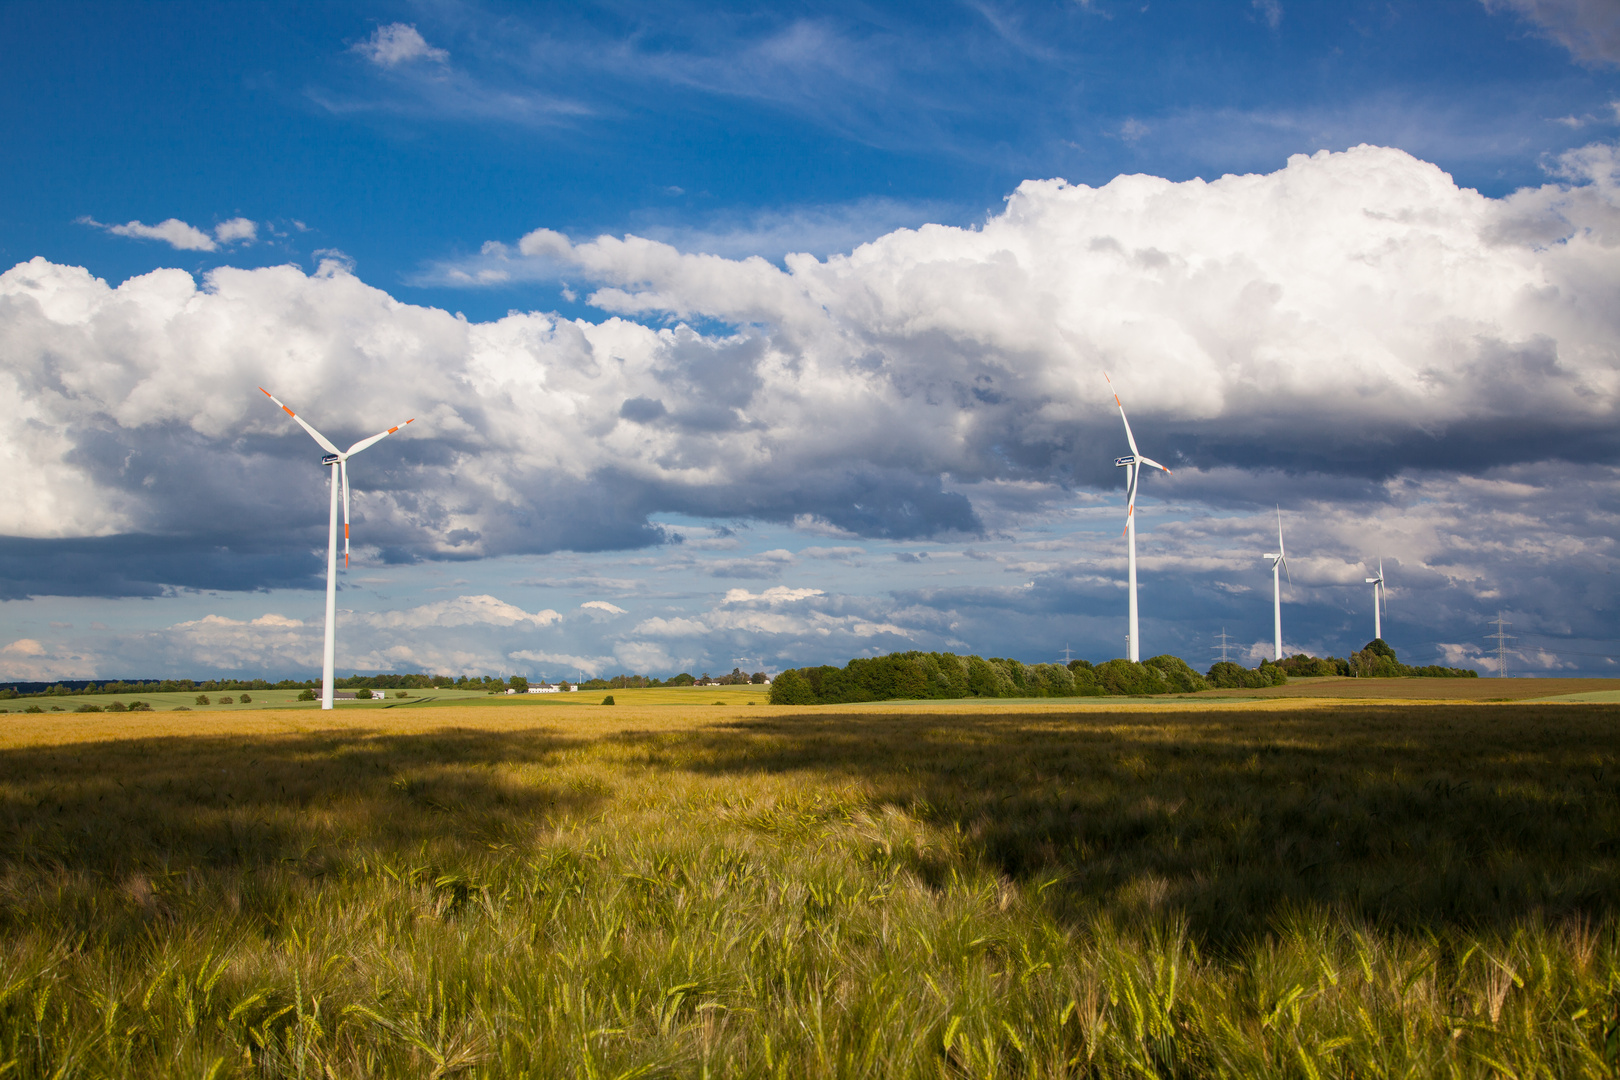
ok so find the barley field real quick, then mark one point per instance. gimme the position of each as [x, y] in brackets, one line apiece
[1188, 890]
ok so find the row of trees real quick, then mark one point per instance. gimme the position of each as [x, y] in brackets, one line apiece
[490, 684]
[738, 677]
[925, 675]
[1375, 660]
[212, 686]
[899, 675]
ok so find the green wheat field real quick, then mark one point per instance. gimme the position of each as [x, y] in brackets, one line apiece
[1288, 889]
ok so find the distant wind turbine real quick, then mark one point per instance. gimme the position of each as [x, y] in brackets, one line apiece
[1133, 466]
[339, 461]
[1278, 559]
[1380, 600]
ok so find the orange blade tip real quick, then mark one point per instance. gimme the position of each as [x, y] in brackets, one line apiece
[267, 393]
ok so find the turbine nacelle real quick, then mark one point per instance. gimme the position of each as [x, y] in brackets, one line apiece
[1380, 599]
[339, 458]
[1279, 561]
[1280, 556]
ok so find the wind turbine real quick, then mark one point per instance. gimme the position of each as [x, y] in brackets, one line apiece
[1278, 559]
[1133, 466]
[1380, 600]
[339, 461]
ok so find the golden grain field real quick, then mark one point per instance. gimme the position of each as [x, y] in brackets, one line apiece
[1190, 889]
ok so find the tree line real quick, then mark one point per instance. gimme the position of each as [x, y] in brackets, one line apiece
[918, 675]
[936, 675]
[738, 677]
[490, 684]
[1377, 660]
[384, 681]
[939, 675]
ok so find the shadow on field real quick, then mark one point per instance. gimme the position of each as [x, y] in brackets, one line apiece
[1407, 816]
[214, 802]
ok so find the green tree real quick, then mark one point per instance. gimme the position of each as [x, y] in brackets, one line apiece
[792, 688]
[1226, 675]
[1131, 679]
[1179, 676]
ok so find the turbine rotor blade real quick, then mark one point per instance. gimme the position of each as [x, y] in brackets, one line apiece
[1150, 461]
[326, 444]
[343, 471]
[379, 437]
[1128, 436]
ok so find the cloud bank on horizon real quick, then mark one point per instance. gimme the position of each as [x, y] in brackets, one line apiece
[1354, 327]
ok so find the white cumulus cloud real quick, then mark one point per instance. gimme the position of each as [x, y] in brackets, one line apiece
[174, 232]
[1347, 318]
[236, 230]
[462, 611]
[30, 660]
[566, 663]
[183, 237]
[398, 43]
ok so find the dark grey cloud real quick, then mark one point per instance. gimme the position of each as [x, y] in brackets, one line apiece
[137, 565]
[1589, 29]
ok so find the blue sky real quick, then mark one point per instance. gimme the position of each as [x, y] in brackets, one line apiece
[831, 122]
[338, 182]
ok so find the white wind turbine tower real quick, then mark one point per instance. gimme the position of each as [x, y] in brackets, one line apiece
[339, 461]
[1279, 558]
[1380, 600]
[1133, 466]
